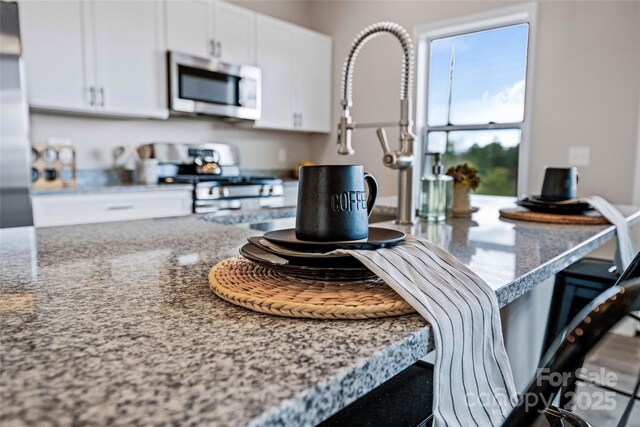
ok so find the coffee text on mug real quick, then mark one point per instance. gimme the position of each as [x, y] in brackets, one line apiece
[349, 201]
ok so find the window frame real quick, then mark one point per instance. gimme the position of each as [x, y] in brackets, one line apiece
[525, 13]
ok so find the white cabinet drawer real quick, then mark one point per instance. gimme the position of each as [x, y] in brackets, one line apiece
[290, 193]
[68, 209]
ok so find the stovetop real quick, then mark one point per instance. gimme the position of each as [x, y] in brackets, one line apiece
[229, 180]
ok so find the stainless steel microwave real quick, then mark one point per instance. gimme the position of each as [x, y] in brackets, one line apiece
[211, 87]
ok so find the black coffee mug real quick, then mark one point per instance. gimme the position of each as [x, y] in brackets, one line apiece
[560, 184]
[333, 204]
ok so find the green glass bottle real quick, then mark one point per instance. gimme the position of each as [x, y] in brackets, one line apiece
[436, 192]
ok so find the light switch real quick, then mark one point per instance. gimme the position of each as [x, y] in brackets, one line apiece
[579, 156]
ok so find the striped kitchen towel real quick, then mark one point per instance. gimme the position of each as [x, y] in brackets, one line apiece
[627, 248]
[626, 245]
[473, 382]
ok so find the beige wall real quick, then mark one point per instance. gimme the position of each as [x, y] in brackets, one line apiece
[586, 84]
[96, 138]
[636, 197]
[587, 93]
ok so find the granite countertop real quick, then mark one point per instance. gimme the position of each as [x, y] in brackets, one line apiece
[118, 188]
[511, 256]
[250, 216]
[115, 323]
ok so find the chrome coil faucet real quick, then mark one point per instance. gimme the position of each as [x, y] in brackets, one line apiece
[401, 159]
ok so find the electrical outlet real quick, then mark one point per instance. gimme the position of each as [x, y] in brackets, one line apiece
[579, 156]
[282, 155]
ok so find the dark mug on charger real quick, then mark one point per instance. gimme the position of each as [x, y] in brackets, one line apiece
[560, 184]
[333, 204]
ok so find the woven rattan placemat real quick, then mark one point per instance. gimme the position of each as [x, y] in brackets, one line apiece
[523, 214]
[243, 283]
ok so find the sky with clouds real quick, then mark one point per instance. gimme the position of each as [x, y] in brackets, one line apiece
[488, 83]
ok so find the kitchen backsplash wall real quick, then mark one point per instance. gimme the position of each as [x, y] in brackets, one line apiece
[96, 138]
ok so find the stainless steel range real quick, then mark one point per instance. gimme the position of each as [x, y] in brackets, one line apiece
[214, 171]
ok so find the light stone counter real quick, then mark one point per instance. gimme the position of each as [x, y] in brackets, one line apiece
[115, 324]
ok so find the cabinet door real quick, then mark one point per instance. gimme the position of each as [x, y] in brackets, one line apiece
[69, 209]
[189, 27]
[54, 54]
[273, 56]
[130, 57]
[233, 31]
[312, 99]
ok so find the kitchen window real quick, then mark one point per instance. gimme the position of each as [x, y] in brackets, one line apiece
[474, 87]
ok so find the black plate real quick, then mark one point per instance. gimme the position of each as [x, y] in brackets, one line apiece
[378, 238]
[330, 270]
[290, 253]
[557, 207]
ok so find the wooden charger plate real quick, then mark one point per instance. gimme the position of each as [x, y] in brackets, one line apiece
[522, 214]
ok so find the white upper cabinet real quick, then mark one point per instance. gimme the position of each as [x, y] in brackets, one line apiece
[130, 75]
[54, 54]
[275, 59]
[296, 76]
[233, 33]
[98, 57]
[210, 28]
[108, 57]
[312, 53]
[190, 27]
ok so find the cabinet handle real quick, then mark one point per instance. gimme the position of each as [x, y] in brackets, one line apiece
[219, 49]
[300, 120]
[295, 120]
[120, 208]
[212, 47]
[101, 96]
[92, 96]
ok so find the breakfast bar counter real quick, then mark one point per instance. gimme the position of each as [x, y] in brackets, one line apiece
[115, 323]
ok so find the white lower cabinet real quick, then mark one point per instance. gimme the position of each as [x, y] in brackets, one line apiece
[69, 209]
[290, 193]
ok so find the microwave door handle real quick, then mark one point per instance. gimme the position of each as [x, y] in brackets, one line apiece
[242, 92]
[247, 89]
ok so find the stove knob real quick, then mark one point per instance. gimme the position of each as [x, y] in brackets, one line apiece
[223, 191]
